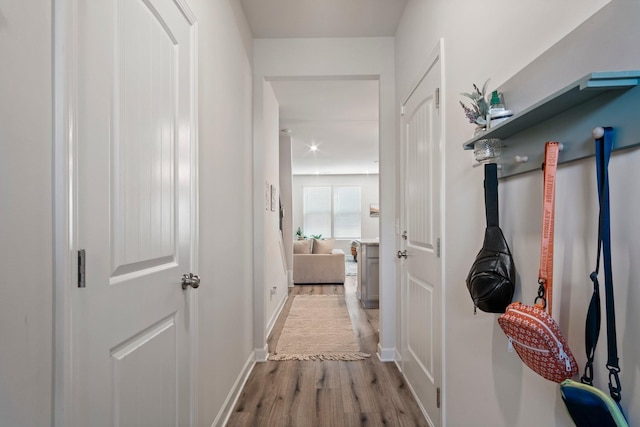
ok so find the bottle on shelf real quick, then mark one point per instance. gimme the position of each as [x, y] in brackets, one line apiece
[497, 111]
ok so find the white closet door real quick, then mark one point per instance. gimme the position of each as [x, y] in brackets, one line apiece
[134, 159]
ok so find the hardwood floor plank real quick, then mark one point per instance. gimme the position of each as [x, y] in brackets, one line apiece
[328, 393]
[330, 412]
[327, 374]
[240, 419]
[303, 403]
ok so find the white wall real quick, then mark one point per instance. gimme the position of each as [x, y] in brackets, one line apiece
[369, 193]
[275, 268]
[225, 308]
[287, 202]
[370, 58]
[26, 304]
[489, 386]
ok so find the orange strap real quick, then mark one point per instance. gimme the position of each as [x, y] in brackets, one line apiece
[545, 273]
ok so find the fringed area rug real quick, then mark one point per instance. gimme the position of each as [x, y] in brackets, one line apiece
[318, 327]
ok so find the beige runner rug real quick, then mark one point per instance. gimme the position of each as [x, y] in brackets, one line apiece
[318, 327]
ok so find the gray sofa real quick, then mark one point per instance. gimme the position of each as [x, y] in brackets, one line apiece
[317, 268]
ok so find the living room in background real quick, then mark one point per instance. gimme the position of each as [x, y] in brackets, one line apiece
[332, 212]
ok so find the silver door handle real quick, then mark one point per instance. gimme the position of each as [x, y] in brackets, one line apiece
[402, 254]
[190, 280]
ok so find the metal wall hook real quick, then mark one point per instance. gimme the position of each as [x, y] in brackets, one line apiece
[520, 159]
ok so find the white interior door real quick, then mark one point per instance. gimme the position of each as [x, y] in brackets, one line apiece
[135, 163]
[421, 278]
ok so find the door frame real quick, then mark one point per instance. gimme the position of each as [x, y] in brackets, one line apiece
[64, 204]
[436, 55]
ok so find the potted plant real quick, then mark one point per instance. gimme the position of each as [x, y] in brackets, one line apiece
[479, 109]
[299, 234]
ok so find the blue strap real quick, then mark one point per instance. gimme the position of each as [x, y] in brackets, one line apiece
[606, 144]
[592, 329]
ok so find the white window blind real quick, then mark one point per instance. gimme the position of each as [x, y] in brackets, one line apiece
[332, 212]
[317, 211]
[346, 212]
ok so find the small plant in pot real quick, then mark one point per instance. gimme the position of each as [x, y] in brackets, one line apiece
[299, 234]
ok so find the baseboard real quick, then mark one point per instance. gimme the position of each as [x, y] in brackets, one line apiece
[232, 398]
[386, 354]
[290, 278]
[276, 314]
[261, 354]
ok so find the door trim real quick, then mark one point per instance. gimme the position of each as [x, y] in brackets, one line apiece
[64, 203]
[436, 55]
[63, 199]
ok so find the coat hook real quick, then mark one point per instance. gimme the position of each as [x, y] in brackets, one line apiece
[597, 132]
[521, 159]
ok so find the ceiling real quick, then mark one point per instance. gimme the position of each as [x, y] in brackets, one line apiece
[340, 117]
[323, 18]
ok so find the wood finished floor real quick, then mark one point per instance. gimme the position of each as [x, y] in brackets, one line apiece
[328, 393]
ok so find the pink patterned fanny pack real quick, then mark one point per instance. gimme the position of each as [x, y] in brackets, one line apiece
[537, 339]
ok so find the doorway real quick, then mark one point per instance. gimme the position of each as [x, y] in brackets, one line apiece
[332, 128]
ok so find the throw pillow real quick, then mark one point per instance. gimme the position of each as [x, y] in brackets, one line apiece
[302, 246]
[322, 246]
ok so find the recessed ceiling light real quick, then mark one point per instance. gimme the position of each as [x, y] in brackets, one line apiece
[313, 147]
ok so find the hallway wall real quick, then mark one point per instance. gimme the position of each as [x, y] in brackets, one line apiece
[26, 251]
[511, 394]
[225, 297]
[275, 268]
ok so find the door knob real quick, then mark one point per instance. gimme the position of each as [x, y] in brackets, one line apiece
[402, 254]
[190, 280]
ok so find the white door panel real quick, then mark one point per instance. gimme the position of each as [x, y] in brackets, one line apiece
[131, 324]
[420, 209]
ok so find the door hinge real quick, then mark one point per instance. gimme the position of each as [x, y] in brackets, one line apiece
[438, 247]
[437, 97]
[438, 397]
[82, 268]
[402, 110]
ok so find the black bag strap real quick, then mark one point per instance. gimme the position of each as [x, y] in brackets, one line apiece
[491, 194]
[592, 327]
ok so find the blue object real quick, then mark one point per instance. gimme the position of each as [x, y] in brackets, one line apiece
[587, 405]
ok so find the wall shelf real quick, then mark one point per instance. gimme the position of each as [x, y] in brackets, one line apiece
[568, 116]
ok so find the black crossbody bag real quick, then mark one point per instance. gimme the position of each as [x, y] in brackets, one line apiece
[491, 280]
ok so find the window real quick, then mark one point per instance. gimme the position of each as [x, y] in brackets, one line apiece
[317, 211]
[332, 212]
[346, 212]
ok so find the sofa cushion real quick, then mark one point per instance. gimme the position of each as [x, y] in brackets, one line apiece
[302, 246]
[322, 246]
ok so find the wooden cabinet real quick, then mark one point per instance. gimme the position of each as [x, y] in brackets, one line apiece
[369, 273]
